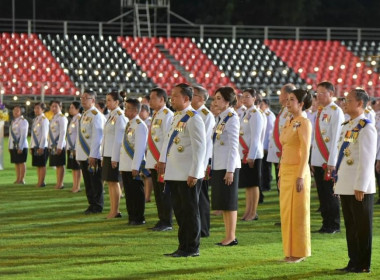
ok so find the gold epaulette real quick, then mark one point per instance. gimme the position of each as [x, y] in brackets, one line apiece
[267, 113]
[230, 114]
[190, 113]
[253, 111]
[366, 111]
[261, 111]
[165, 111]
[119, 113]
[138, 121]
[62, 115]
[362, 122]
[43, 117]
[333, 107]
[94, 112]
[204, 111]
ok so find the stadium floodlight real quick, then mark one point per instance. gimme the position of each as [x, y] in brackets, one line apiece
[345, 93]
[354, 76]
[340, 80]
[316, 69]
[373, 62]
[358, 64]
[15, 98]
[343, 66]
[300, 70]
[27, 103]
[331, 67]
[369, 72]
[370, 83]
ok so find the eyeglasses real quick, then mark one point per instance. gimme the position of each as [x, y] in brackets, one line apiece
[85, 98]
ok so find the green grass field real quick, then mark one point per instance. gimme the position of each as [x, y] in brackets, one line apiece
[45, 235]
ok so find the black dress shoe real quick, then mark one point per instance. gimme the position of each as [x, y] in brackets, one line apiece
[361, 270]
[88, 211]
[232, 243]
[156, 226]
[163, 228]
[118, 215]
[321, 230]
[331, 231]
[170, 254]
[136, 223]
[180, 254]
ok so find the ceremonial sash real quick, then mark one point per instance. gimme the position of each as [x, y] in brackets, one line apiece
[276, 133]
[319, 139]
[54, 141]
[14, 138]
[154, 151]
[229, 115]
[131, 152]
[245, 149]
[346, 143]
[37, 145]
[184, 119]
[82, 140]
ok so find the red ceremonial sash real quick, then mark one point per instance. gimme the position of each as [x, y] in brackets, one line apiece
[319, 139]
[153, 149]
[245, 149]
[276, 134]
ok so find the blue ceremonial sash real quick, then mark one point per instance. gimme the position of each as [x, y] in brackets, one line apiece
[82, 140]
[131, 153]
[184, 119]
[14, 138]
[347, 141]
[229, 115]
[54, 141]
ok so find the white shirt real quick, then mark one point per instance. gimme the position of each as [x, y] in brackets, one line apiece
[251, 129]
[273, 149]
[113, 134]
[209, 122]
[40, 128]
[19, 127]
[330, 123]
[58, 127]
[186, 155]
[226, 145]
[91, 128]
[72, 132]
[356, 171]
[136, 133]
[271, 118]
[377, 126]
[159, 129]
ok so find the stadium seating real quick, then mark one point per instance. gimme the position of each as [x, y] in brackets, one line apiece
[27, 67]
[317, 61]
[98, 62]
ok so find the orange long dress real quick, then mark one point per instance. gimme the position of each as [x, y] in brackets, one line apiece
[295, 206]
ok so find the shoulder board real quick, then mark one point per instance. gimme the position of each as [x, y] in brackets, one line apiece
[261, 111]
[94, 112]
[62, 115]
[138, 121]
[190, 113]
[346, 122]
[267, 113]
[366, 111]
[79, 117]
[119, 113]
[22, 117]
[204, 111]
[333, 107]
[364, 122]
[253, 111]
[230, 114]
[165, 111]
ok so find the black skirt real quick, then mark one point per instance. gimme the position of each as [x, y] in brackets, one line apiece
[250, 177]
[57, 160]
[110, 174]
[224, 197]
[72, 161]
[40, 160]
[19, 158]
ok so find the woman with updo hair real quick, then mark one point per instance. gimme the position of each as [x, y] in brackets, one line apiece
[113, 136]
[226, 163]
[294, 181]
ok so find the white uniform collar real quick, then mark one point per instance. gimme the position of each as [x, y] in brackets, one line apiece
[223, 114]
[330, 104]
[251, 108]
[357, 119]
[186, 109]
[159, 111]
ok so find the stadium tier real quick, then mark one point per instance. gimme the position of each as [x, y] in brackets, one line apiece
[64, 65]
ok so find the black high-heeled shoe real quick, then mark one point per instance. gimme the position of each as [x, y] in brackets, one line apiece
[232, 243]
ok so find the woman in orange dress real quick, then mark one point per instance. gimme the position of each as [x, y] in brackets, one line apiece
[294, 183]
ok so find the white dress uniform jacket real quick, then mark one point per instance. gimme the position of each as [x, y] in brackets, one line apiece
[137, 135]
[40, 128]
[159, 130]
[91, 127]
[209, 122]
[72, 132]
[273, 150]
[265, 122]
[356, 170]
[269, 128]
[377, 125]
[251, 129]
[312, 116]
[58, 127]
[370, 114]
[240, 111]
[113, 134]
[330, 123]
[19, 128]
[226, 145]
[186, 155]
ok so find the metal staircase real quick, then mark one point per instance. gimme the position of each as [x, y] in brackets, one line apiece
[142, 20]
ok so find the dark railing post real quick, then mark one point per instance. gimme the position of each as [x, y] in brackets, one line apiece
[328, 34]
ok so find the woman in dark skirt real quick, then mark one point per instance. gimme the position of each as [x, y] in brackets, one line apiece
[251, 153]
[18, 144]
[113, 136]
[57, 142]
[39, 142]
[72, 132]
[226, 163]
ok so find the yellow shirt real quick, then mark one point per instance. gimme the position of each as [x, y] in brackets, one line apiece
[295, 139]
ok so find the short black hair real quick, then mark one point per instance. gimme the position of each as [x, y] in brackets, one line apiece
[327, 85]
[266, 101]
[288, 88]
[90, 92]
[202, 91]
[361, 95]
[228, 94]
[251, 91]
[42, 105]
[160, 93]
[59, 103]
[186, 90]
[76, 104]
[303, 96]
[115, 96]
[145, 107]
[135, 103]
